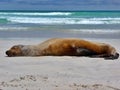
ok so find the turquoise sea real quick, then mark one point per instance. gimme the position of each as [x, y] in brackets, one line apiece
[40, 24]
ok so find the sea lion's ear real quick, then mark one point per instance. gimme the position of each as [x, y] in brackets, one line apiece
[25, 50]
[21, 46]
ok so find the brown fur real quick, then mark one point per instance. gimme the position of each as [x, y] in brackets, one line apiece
[65, 46]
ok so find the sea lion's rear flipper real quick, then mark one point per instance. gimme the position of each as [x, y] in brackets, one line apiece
[106, 56]
[116, 56]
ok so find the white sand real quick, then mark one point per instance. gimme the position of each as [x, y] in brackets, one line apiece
[57, 73]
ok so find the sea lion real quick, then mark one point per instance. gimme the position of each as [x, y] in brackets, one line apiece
[65, 47]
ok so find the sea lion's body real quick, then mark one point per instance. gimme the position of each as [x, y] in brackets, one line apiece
[65, 47]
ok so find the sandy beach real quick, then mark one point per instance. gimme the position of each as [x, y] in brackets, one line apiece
[57, 73]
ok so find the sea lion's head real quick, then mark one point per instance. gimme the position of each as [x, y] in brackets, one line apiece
[15, 51]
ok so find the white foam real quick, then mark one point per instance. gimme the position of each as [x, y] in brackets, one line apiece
[10, 28]
[48, 20]
[34, 13]
[96, 31]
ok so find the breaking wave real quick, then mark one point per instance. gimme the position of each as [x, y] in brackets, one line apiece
[61, 20]
[60, 17]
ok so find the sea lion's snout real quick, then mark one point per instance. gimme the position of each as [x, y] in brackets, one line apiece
[8, 53]
[11, 53]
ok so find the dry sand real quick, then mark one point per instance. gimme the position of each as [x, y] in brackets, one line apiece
[57, 73]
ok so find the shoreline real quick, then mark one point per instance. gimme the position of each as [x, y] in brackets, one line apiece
[62, 33]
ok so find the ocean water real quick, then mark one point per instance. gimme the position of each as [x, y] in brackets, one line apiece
[41, 24]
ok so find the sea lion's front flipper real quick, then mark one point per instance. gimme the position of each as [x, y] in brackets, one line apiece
[84, 52]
